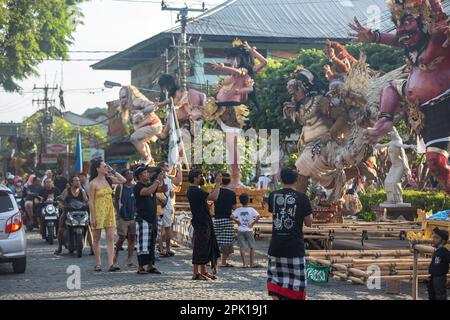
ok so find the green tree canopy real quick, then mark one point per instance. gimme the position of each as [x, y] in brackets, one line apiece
[95, 111]
[271, 81]
[63, 132]
[32, 31]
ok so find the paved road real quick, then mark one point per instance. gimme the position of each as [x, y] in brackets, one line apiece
[46, 278]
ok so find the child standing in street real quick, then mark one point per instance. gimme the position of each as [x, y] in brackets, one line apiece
[437, 286]
[246, 218]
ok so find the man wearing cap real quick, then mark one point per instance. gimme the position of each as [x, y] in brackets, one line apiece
[10, 182]
[437, 285]
[146, 220]
[125, 204]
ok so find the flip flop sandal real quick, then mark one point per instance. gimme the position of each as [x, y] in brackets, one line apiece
[113, 268]
[154, 271]
[210, 276]
[131, 265]
[142, 271]
[98, 268]
[199, 277]
[227, 266]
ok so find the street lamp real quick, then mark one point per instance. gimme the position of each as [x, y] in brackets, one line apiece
[112, 84]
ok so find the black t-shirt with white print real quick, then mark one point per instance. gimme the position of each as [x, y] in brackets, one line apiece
[289, 208]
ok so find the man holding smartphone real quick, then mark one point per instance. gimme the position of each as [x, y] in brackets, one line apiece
[146, 221]
[205, 247]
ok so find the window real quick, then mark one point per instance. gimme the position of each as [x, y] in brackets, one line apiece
[6, 204]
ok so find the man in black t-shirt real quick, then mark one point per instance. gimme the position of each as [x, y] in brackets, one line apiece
[223, 225]
[49, 192]
[291, 209]
[146, 221]
[205, 247]
[60, 181]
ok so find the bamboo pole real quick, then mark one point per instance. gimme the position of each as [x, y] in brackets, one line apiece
[358, 272]
[357, 280]
[403, 260]
[348, 253]
[415, 278]
[401, 266]
[177, 124]
[424, 249]
[341, 275]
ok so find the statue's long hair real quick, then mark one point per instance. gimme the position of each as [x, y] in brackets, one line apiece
[167, 80]
[248, 62]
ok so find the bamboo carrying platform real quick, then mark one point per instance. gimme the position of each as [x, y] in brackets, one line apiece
[359, 266]
[322, 236]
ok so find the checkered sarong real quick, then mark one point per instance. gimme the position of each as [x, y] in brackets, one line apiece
[224, 230]
[146, 240]
[287, 278]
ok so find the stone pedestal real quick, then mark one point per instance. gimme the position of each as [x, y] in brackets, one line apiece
[395, 213]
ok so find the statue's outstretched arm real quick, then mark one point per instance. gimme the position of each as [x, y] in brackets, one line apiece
[381, 146]
[340, 65]
[363, 34]
[408, 146]
[438, 10]
[149, 109]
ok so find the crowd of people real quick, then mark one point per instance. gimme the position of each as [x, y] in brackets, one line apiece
[139, 206]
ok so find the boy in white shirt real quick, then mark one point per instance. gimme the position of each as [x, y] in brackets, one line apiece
[246, 218]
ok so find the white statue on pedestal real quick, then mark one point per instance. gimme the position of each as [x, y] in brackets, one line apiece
[399, 167]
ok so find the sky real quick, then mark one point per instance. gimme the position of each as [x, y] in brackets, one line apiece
[108, 25]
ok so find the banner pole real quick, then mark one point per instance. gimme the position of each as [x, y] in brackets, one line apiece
[177, 124]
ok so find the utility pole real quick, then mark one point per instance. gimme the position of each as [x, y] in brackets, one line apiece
[47, 119]
[183, 45]
[166, 67]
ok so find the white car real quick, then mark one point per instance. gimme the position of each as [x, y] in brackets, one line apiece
[13, 241]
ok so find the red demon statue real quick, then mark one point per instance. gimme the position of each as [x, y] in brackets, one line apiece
[423, 31]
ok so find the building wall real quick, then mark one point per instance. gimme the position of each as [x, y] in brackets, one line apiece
[145, 75]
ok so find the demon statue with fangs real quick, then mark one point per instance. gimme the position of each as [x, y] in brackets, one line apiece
[423, 31]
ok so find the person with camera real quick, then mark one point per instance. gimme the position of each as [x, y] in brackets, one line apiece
[145, 191]
[205, 247]
[101, 209]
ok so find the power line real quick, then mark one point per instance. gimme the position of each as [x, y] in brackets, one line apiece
[183, 18]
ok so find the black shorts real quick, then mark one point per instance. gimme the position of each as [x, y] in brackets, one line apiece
[436, 129]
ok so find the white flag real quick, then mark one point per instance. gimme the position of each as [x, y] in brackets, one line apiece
[174, 139]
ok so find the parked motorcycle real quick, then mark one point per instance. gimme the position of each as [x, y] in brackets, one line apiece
[49, 220]
[77, 223]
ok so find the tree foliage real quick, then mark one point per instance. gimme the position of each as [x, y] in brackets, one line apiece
[95, 111]
[63, 132]
[32, 31]
[271, 81]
